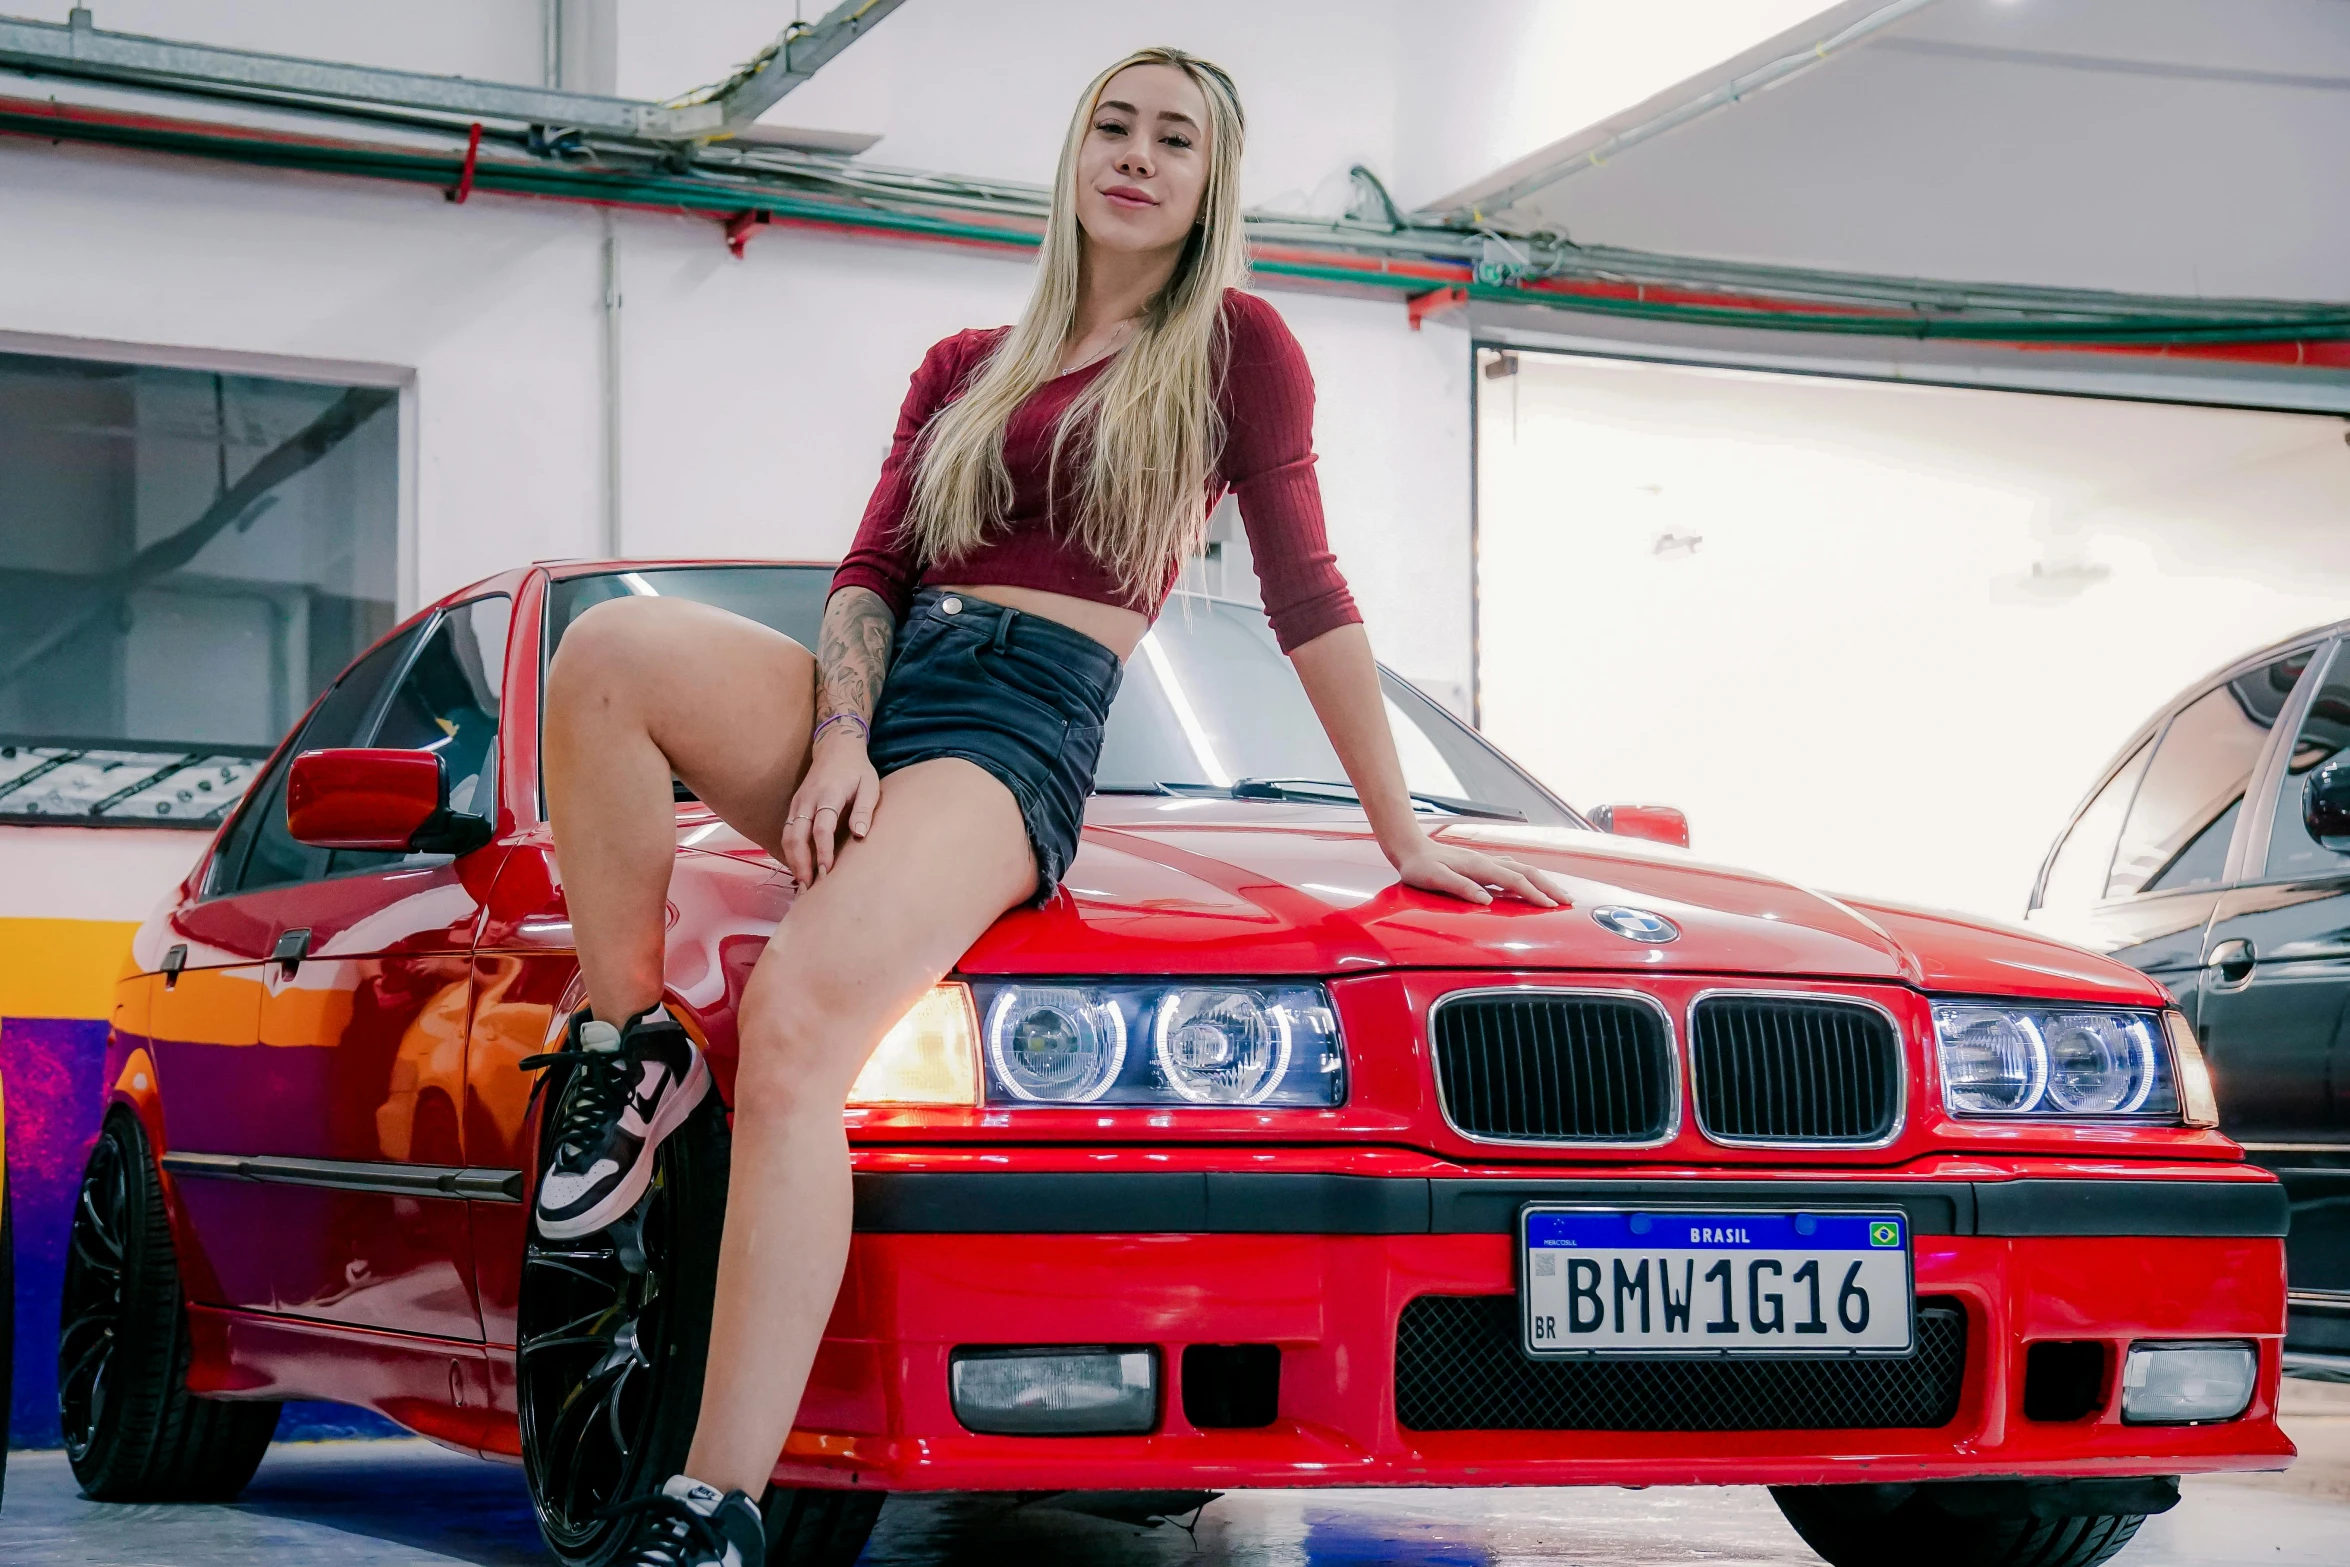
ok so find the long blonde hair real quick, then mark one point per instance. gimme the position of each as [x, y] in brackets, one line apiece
[1147, 426]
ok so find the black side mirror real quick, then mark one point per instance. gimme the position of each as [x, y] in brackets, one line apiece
[2325, 805]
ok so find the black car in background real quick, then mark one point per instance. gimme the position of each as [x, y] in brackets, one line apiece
[2214, 854]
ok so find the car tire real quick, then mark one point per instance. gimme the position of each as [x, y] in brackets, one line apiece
[133, 1431]
[613, 1331]
[1943, 1526]
[819, 1528]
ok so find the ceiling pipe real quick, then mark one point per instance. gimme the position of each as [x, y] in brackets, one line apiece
[1302, 252]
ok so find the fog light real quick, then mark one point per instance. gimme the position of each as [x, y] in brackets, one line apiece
[2180, 1384]
[1055, 1392]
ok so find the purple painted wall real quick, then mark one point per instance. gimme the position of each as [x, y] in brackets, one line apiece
[50, 1067]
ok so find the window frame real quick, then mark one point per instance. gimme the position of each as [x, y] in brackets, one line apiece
[2142, 740]
[2250, 837]
[419, 633]
[215, 871]
[2250, 869]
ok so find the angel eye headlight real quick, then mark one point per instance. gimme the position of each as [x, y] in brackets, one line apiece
[1993, 1062]
[1219, 1047]
[2000, 1060]
[2099, 1063]
[1078, 1042]
[1054, 1043]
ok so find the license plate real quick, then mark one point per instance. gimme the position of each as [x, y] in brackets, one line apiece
[1602, 1281]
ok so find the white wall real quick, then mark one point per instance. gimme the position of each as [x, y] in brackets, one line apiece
[1919, 618]
[493, 40]
[757, 395]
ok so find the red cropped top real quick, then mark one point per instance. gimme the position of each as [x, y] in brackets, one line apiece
[1267, 401]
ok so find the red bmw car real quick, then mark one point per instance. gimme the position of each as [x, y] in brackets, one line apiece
[1237, 1165]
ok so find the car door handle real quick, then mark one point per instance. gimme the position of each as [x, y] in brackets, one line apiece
[2231, 961]
[292, 947]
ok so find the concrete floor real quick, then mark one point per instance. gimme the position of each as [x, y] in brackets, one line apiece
[371, 1504]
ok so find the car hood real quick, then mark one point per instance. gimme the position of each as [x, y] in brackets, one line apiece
[1193, 886]
[1226, 887]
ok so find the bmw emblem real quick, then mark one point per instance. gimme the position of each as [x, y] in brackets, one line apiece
[1636, 924]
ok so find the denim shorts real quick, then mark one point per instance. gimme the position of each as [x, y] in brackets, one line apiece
[1020, 695]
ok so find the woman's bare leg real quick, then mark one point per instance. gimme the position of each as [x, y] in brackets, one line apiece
[947, 853]
[642, 687]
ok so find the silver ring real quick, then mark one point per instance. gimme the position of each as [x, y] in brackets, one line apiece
[821, 809]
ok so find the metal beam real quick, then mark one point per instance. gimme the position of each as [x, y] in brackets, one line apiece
[79, 49]
[795, 56]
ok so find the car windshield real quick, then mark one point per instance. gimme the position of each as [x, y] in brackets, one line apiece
[1208, 704]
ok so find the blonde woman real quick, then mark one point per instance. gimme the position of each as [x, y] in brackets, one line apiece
[1046, 482]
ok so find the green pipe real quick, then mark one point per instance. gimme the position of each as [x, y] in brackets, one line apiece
[719, 199]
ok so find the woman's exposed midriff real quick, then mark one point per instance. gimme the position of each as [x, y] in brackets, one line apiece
[1112, 625]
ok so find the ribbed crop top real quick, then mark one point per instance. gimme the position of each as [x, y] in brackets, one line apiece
[1267, 401]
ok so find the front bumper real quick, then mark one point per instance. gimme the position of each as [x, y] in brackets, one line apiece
[956, 1251]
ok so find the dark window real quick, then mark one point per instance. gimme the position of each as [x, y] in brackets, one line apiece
[2186, 807]
[2324, 733]
[259, 852]
[186, 559]
[2077, 874]
[448, 702]
[1206, 701]
[789, 599]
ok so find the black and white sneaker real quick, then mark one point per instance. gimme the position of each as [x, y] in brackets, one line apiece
[623, 1090]
[688, 1524]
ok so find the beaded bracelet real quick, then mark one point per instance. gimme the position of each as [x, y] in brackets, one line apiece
[864, 729]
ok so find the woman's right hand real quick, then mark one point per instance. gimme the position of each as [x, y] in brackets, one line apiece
[839, 791]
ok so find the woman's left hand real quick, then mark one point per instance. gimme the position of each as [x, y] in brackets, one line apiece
[1472, 877]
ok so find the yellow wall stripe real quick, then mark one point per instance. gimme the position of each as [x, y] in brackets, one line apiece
[61, 968]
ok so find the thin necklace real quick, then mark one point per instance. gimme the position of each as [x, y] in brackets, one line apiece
[1125, 330]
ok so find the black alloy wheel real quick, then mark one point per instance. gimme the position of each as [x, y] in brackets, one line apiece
[1973, 1523]
[133, 1431]
[614, 1330]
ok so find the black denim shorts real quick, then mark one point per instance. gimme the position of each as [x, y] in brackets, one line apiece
[1020, 695]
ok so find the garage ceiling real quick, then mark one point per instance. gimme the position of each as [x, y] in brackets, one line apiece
[2186, 147]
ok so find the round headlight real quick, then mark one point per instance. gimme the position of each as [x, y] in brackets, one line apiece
[1220, 1047]
[1053, 1043]
[2098, 1064]
[1993, 1062]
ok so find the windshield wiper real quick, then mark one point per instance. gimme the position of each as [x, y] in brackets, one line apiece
[1308, 791]
[1319, 790]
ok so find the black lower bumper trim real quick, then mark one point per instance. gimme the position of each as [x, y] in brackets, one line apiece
[1219, 1203]
[1139, 1203]
[2060, 1207]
